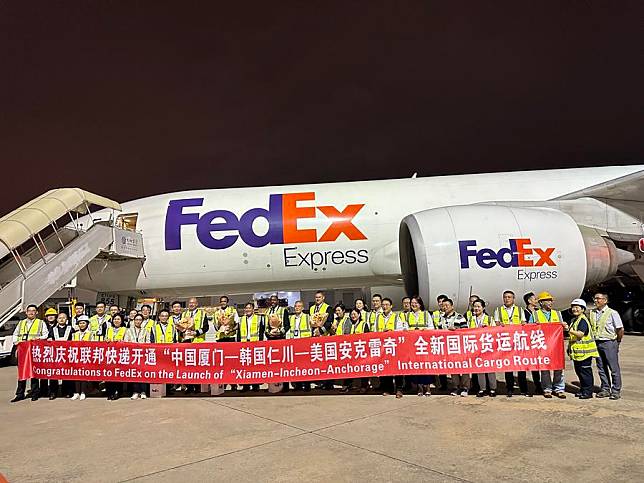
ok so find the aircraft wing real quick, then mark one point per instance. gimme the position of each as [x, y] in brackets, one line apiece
[625, 193]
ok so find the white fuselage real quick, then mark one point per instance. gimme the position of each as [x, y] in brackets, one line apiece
[362, 246]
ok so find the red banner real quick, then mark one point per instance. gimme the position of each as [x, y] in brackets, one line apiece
[493, 349]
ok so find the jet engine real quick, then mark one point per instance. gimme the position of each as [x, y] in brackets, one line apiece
[486, 249]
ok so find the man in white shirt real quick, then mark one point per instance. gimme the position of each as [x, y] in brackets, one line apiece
[608, 330]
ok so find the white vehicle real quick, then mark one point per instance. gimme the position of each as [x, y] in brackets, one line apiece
[556, 230]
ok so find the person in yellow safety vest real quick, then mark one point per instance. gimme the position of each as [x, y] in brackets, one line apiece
[385, 322]
[468, 312]
[83, 334]
[582, 348]
[226, 321]
[115, 333]
[321, 315]
[376, 309]
[197, 320]
[405, 304]
[251, 328]
[437, 314]
[418, 319]
[99, 321]
[30, 328]
[546, 315]
[50, 322]
[531, 306]
[362, 308]
[355, 325]
[138, 334]
[479, 319]
[511, 314]
[148, 320]
[299, 327]
[341, 323]
[164, 332]
[299, 322]
[608, 329]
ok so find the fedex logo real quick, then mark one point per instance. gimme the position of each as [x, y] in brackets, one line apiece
[518, 254]
[282, 215]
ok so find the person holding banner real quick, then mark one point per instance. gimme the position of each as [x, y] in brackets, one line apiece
[418, 319]
[452, 320]
[193, 327]
[531, 306]
[84, 333]
[546, 315]
[115, 333]
[437, 314]
[251, 328]
[61, 331]
[341, 324]
[165, 333]
[582, 348]
[30, 328]
[139, 335]
[405, 304]
[385, 322]
[477, 320]
[511, 314]
[299, 326]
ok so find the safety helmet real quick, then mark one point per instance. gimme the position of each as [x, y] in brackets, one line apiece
[51, 311]
[544, 296]
[579, 302]
[82, 318]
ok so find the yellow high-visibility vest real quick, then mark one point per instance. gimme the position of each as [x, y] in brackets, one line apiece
[487, 321]
[249, 328]
[115, 334]
[383, 324]
[506, 318]
[541, 318]
[198, 319]
[161, 336]
[419, 321]
[299, 328]
[32, 332]
[582, 349]
[88, 335]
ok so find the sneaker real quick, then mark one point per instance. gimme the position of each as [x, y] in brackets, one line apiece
[560, 395]
[399, 394]
[547, 395]
[480, 394]
[464, 393]
[143, 396]
[526, 394]
[135, 396]
[428, 392]
[454, 393]
[52, 397]
[615, 396]
[75, 396]
[492, 393]
[82, 396]
[585, 396]
[386, 393]
[603, 393]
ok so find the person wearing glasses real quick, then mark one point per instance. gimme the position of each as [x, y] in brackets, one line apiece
[608, 329]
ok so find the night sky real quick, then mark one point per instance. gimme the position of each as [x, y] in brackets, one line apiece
[129, 99]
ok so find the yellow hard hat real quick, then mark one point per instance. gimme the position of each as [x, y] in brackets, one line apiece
[51, 311]
[544, 296]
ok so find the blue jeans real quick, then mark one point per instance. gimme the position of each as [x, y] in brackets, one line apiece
[557, 382]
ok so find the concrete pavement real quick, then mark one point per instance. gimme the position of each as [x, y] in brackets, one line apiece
[321, 437]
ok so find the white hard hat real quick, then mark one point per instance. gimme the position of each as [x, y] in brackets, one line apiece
[580, 302]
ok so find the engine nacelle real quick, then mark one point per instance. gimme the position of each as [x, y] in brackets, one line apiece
[485, 249]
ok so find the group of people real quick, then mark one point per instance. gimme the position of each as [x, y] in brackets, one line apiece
[594, 335]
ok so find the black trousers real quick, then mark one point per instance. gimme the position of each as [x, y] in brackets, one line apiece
[536, 378]
[392, 383]
[584, 371]
[111, 388]
[523, 381]
[22, 387]
[68, 387]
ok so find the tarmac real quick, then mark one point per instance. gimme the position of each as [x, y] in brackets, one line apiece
[329, 436]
